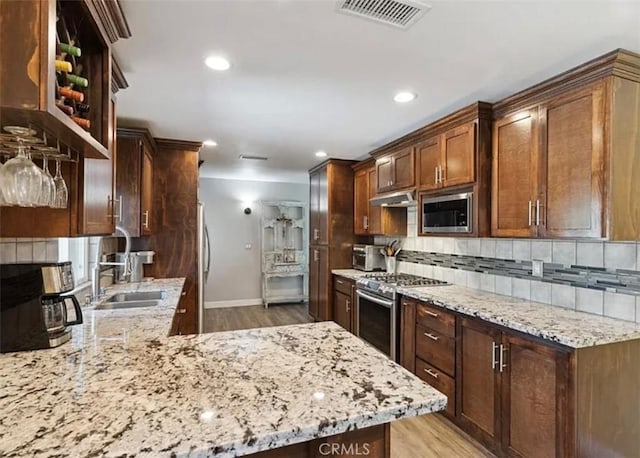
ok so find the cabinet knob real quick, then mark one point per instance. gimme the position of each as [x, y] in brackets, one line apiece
[181, 311]
[184, 293]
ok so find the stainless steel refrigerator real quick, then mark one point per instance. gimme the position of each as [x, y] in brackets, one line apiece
[204, 263]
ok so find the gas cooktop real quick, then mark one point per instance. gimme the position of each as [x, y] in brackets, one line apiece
[384, 284]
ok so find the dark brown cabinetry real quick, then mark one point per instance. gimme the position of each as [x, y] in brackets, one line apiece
[370, 219]
[134, 180]
[396, 170]
[330, 230]
[344, 302]
[523, 396]
[565, 155]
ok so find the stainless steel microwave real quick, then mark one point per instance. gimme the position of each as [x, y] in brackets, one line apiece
[450, 213]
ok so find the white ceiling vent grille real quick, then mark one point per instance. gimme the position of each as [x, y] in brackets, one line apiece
[401, 14]
[251, 157]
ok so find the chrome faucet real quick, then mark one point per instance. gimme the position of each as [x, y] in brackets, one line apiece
[125, 264]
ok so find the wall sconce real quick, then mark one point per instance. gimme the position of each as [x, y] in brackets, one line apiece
[246, 206]
[247, 211]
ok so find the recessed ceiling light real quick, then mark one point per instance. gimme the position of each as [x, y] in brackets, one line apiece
[217, 63]
[404, 97]
[209, 143]
[321, 154]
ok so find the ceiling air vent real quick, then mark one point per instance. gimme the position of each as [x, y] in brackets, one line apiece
[401, 14]
[249, 157]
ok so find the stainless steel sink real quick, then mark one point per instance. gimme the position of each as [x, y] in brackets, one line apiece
[131, 300]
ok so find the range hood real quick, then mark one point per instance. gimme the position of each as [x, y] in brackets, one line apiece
[394, 199]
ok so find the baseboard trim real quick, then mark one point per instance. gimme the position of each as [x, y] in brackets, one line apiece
[233, 303]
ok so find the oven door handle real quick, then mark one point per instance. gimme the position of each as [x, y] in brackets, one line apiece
[387, 304]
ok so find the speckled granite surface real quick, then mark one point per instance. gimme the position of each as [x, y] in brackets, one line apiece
[567, 327]
[353, 274]
[221, 394]
[564, 326]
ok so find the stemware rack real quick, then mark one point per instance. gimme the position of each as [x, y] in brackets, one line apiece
[35, 146]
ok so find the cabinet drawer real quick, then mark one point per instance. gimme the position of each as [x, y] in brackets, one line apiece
[440, 381]
[437, 319]
[343, 285]
[436, 349]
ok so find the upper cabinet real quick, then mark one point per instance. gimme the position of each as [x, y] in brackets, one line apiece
[134, 180]
[396, 170]
[566, 155]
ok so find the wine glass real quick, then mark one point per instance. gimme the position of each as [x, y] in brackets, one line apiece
[22, 180]
[48, 190]
[62, 193]
[2, 184]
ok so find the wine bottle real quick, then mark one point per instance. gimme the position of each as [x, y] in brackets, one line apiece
[69, 49]
[84, 123]
[71, 94]
[66, 108]
[83, 107]
[77, 80]
[63, 66]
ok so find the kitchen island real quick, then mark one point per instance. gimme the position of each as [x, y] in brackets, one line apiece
[220, 394]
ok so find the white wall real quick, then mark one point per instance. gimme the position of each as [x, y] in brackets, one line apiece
[234, 278]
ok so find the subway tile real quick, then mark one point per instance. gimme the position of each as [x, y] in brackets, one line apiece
[590, 254]
[521, 288]
[460, 277]
[504, 249]
[590, 301]
[427, 271]
[39, 251]
[409, 243]
[412, 217]
[620, 255]
[541, 292]
[620, 306]
[488, 248]
[438, 273]
[522, 250]
[473, 280]
[24, 252]
[564, 252]
[448, 245]
[638, 309]
[7, 239]
[52, 251]
[8, 252]
[438, 244]
[473, 247]
[449, 275]
[412, 230]
[541, 249]
[488, 283]
[563, 296]
[460, 246]
[504, 285]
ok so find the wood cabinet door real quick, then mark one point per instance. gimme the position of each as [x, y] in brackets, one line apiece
[146, 197]
[323, 206]
[375, 212]
[313, 281]
[571, 202]
[429, 153]
[532, 403]
[342, 309]
[314, 207]
[361, 202]
[458, 156]
[408, 334]
[384, 174]
[514, 181]
[128, 184]
[324, 284]
[404, 168]
[478, 385]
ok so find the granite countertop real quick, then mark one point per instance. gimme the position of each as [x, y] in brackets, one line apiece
[351, 274]
[224, 394]
[567, 327]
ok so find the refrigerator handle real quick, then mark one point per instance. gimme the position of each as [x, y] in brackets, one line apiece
[208, 251]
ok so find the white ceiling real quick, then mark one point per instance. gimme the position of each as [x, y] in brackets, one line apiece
[305, 78]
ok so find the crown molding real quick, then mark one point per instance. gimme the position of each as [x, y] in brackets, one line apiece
[184, 145]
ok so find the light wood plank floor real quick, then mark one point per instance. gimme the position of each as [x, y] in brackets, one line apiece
[429, 436]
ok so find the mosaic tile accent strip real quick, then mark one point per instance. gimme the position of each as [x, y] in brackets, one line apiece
[613, 280]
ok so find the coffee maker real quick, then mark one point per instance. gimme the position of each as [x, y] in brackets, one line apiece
[35, 308]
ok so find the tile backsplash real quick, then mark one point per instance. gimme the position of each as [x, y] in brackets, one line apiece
[602, 278]
[14, 250]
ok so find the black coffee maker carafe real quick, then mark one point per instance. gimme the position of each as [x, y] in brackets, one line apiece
[35, 308]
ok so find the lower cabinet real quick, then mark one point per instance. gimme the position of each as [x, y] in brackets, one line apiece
[344, 302]
[522, 396]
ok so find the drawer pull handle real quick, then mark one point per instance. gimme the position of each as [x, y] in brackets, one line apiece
[435, 315]
[340, 282]
[431, 373]
[431, 336]
[181, 311]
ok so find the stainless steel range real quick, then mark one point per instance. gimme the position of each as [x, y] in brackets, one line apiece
[378, 310]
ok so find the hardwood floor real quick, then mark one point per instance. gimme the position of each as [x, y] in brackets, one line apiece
[254, 316]
[429, 436]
